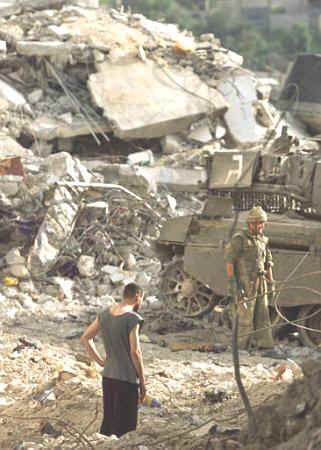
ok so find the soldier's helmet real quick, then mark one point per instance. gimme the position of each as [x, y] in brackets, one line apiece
[256, 215]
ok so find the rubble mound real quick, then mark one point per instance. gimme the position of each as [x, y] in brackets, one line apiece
[94, 156]
[294, 420]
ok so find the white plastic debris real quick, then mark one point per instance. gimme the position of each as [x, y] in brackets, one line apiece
[145, 158]
[65, 287]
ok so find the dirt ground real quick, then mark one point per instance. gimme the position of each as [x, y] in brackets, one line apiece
[50, 395]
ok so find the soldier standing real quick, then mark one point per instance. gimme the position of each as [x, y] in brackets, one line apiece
[250, 277]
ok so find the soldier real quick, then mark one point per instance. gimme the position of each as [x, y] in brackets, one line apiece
[250, 277]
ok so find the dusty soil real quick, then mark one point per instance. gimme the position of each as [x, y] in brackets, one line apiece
[50, 395]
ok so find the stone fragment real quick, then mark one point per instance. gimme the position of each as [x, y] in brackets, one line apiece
[65, 286]
[27, 287]
[47, 128]
[87, 3]
[13, 96]
[9, 189]
[143, 158]
[143, 279]
[86, 266]
[10, 148]
[60, 218]
[35, 96]
[240, 93]
[9, 7]
[200, 132]
[172, 144]
[102, 289]
[3, 48]
[14, 257]
[49, 48]
[264, 113]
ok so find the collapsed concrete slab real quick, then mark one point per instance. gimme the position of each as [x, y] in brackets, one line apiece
[9, 7]
[9, 147]
[178, 180]
[13, 97]
[240, 93]
[47, 128]
[148, 178]
[50, 48]
[61, 216]
[201, 132]
[145, 100]
[54, 231]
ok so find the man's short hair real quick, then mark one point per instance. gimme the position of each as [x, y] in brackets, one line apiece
[131, 290]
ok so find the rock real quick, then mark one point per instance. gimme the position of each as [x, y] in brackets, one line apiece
[143, 158]
[196, 420]
[19, 271]
[153, 303]
[14, 257]
[87, 3]
[200, 132]
[27, 287]
[27, 303]
[107, 301]
[65, 286]
[3, 48]
[86, 266]
[35, 96]
[172, 144]
[102, 289]
[240, 93]
[10, 189]
[143, 279]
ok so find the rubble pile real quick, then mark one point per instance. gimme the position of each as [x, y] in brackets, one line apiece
[90, 95]
[293, 421]
[56, 58]
[53, 397]
[107, 120]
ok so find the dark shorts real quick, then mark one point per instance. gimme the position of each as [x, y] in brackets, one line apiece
[120, 407]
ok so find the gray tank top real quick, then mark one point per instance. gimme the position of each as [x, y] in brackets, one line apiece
[115, 334]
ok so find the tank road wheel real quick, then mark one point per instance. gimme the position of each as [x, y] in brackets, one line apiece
[183, 294]
[310, 317]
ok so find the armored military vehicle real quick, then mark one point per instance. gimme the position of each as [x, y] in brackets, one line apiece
[288, 187]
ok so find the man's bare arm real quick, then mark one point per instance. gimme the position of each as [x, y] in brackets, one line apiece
[87, 340]
[137, 358]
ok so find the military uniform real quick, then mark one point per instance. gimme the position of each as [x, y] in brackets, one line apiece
[251, 257]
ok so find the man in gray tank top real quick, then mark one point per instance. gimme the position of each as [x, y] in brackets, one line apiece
[123, 373]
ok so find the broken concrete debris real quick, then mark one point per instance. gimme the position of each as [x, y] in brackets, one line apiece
[86, 107]
[165, 100]
[106, 121]
[146, 100]
[240, 92]
[96, 74]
